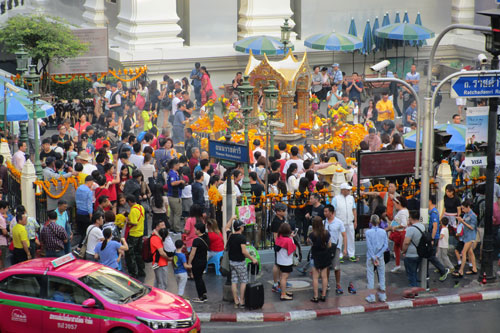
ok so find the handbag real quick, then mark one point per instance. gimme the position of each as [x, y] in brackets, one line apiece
[80, 253]
[224, 268]
[387, 256]
[140, 101]
[246, 213]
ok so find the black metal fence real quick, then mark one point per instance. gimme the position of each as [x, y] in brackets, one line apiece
[14, 185]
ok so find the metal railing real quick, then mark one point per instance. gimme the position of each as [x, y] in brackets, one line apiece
[7, 5]
[14, 187]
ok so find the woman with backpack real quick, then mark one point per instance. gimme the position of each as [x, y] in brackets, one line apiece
[198, 261]
[319, 238]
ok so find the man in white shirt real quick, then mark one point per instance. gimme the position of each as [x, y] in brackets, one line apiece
[137, 158]
[294, 159]
[85, 159]
[19, 158]
[256, 143]
[345, 208]
[205, 166]
[337, 235]
[176, 100]
[94, 235]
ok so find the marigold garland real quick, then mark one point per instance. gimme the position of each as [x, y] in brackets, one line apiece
[128, 80]
[103, 75]
[53, 78]
[45, 185]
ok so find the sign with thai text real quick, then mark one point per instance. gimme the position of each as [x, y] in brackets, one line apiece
[228, 152]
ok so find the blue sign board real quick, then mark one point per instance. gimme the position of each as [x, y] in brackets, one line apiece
[228, 152]
[476, 86]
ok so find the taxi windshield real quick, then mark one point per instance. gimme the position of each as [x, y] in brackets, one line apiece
[114, 286]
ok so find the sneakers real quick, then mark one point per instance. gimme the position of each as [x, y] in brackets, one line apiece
[351, 288]
[353, 259]
[199, 300]
[341, 260]
[396, 269]
[338, 290]
[382, 296]
[276, 288]
[370, 298]
[445, 275]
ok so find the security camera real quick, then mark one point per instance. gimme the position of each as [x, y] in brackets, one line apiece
[12, 87]
[482, 58]
[380, 66]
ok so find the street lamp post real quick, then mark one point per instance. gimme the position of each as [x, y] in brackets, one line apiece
[33, 82]
[285, 35]
[22, 68]
[246, 94]
[271, 94]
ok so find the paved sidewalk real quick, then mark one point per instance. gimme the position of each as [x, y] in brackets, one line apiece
[452, 290]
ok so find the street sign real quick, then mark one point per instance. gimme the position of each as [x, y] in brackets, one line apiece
[276, 124]
[228, 151]
[476, 86]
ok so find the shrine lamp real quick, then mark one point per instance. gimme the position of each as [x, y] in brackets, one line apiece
[285, 35]
[21, 59]
[271, 94]
[246, 94]
[33, 81]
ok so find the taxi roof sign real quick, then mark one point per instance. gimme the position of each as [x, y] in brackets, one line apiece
[62, 260]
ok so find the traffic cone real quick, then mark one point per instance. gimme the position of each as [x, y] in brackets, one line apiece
[484, 278]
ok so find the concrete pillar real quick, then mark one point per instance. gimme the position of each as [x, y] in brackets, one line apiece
[147, 25]
[28, 176]
[5, 152]
[337, 179]
[443, 178]
[263, 17]
[94, 13]
[462, 12]
[225, 201]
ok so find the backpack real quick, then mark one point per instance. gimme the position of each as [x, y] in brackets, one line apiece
[478, 210]
[147, 255]
[424, 247]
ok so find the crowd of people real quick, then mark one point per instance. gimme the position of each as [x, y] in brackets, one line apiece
[150, 187]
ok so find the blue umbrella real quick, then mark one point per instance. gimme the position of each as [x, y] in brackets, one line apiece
[376, 40]
[353, 31]
[456, 143]
[387, 43]
[397, 19]
[260, 45]
[368, 45]
[334, 41]
[406, 19]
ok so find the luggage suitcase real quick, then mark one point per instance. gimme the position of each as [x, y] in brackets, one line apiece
[254, 293]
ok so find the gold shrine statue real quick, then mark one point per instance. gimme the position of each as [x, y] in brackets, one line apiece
[293, 77]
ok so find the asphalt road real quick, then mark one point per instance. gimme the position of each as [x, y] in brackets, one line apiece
[466, 317]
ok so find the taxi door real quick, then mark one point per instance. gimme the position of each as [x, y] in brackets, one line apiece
[21, 303]
[64, 310]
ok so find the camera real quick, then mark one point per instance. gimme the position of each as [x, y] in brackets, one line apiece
[482, 58]
[380, 66]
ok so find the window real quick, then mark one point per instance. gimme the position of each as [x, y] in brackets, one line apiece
[66, 291]
[22, 285]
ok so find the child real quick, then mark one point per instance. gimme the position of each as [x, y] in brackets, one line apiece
[460, 245]
[377, 244]
[442, 252]
[180, 266]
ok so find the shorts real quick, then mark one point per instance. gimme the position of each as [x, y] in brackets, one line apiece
[460, 246]
[239, 272]
[336, 260]
[285, 269]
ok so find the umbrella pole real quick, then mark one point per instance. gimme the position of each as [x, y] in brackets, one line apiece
[404, 58]
[364, 66]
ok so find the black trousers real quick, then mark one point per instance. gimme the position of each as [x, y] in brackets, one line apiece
[82, 223]
[133, 257]
[198, 279]
[19, 255]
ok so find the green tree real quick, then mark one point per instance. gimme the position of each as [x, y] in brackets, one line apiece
[46, 39]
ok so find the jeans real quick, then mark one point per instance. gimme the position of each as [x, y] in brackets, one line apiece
[161, 277]
[82, 223]
[370, 274]
[435, 261]
[411, 267]
[181, 279]
[133, 257]
[175, 213]
[54, 254]
[197, 94]
[198, 279]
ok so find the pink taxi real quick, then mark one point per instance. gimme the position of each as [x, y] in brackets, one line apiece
[65, 294]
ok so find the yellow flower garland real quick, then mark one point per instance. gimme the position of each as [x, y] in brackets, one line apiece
[45, 185]
[63, 82]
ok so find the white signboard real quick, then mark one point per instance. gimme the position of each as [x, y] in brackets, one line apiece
[95, 60]
[476, 135]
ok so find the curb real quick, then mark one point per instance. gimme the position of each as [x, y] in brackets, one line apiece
[246, 317]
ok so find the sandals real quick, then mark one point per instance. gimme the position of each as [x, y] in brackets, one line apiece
[286, 298]
[314, 300]
[457, 274]
[471, 272]
[289, 293]
[322, 298]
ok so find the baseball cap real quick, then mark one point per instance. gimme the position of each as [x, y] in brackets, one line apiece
[335, 65]
[345, 186]
[237, 224]
[280, 206]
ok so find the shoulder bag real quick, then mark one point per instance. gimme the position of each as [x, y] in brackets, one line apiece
[83, 249]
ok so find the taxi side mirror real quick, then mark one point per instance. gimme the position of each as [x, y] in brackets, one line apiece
[89, 303]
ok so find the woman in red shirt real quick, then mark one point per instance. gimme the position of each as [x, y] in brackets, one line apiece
[216, 238]
[111, 181]
[82, 125]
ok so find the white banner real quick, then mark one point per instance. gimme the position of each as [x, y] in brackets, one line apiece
[476, 137]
